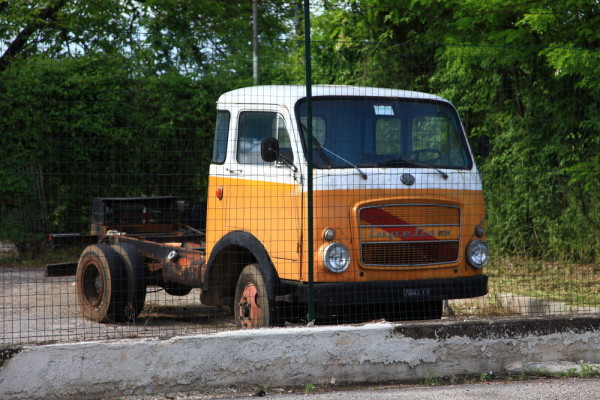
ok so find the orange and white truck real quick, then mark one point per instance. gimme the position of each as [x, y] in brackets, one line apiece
[398, 218]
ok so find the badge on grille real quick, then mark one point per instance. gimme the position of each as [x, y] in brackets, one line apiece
[407, 179]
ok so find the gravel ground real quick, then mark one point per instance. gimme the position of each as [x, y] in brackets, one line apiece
[39, 309]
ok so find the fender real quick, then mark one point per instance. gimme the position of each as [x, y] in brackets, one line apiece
[255, 247]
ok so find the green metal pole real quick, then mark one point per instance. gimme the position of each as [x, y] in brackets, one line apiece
[309, 160]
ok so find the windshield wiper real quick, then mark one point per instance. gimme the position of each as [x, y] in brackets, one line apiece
[324, 157]
[399, 162]
[317, 145]
[360, 171]
[320, 149]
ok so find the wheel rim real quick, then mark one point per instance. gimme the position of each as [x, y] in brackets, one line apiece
[92, 285]
[250, 311]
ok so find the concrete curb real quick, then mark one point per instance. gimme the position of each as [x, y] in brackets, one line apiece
[380, 352]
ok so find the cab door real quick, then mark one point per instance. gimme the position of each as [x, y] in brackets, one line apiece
[265, 198]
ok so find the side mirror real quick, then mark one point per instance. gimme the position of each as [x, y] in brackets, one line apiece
[483, 146]
[269, 148]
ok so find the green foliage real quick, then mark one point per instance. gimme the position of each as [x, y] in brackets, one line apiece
[589, 370]
[95, 88]
[117, 98]
[200, 38]
[584, 371]
[486, 376]
[542, 177]
[524, 74]
[91, 130]
[432, 381]
[309, 388]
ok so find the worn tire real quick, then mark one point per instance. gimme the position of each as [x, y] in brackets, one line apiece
[135, 275]
[252, 306]
[100, 283]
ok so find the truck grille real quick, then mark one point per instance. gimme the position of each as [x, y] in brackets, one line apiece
[409, 235]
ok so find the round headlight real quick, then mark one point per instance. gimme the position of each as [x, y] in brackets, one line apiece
[478, 253]
[336, 257]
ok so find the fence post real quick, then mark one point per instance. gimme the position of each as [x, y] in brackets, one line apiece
[309, 146]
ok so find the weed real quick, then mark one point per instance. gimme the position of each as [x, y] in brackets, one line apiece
[569, 373]
[309, 388]
[486, 376]
[588, 371]
[432, 381]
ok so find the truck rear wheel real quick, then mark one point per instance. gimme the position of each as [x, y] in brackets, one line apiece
[135, 275]
[100, 283]
[252, 306]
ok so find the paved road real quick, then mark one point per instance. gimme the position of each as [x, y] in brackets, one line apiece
[544, 389]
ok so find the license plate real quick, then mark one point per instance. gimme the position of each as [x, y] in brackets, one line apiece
[416, 292]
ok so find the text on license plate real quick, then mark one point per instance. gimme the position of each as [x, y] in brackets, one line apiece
[416, 292]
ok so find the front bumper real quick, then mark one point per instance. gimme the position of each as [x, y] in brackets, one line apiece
[379, 292]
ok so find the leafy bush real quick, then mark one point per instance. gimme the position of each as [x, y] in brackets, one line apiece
[87, 127]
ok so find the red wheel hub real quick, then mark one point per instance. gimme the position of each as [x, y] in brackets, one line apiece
[250, 311]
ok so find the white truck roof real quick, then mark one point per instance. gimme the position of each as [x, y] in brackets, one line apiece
[288, 95]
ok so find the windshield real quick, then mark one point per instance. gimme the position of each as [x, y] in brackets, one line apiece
[383, 132]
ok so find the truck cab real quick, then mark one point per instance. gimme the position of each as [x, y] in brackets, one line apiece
[398, 215]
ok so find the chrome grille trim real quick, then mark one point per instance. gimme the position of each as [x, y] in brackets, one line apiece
[411, 253]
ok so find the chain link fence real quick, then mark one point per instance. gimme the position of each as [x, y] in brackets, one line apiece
[153, 205]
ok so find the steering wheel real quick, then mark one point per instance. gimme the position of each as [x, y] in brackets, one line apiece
[436, 154]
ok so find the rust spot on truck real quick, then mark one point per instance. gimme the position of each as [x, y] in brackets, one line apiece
[180, 260]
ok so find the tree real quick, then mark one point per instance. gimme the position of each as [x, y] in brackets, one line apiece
[199, 37]
[524, 73]
[116, 98]
[542, 115]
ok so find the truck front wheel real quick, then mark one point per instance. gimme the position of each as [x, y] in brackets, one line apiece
[252, 306]
[100, 283]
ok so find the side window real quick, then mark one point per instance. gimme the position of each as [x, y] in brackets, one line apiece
[221, 136]
[285, 143]
[318, 128]
[428, 132]
[437, 141]
[255, 126]
[388, 136]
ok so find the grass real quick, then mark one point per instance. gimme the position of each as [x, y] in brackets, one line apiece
[575, 288]
[40, 255]
[310, 388]
[589, 371]
[486, 376]
[574, 284]
[583, 370]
